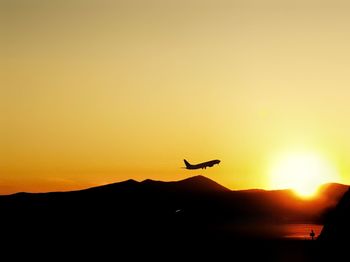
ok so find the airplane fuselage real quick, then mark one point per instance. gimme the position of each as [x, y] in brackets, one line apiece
[201, 165]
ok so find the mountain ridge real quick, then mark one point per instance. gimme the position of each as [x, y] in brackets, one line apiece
[196, 193]
[194, 208]
[196, 180]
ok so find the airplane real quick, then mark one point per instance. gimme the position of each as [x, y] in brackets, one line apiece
[201, 165]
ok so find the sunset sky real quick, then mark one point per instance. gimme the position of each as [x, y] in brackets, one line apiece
[101, 91]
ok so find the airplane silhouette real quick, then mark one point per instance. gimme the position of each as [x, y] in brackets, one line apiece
[201, 165]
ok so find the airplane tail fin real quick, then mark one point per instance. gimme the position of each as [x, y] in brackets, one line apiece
[188, 165]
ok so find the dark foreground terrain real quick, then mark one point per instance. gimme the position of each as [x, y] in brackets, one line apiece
[166, 220]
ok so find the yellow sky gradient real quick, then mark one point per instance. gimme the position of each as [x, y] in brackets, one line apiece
[100, 91]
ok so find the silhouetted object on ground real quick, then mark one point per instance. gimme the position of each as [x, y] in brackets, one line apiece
[312, 234]
[203, 165]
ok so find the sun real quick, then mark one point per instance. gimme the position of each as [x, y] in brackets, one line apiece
[302, 172]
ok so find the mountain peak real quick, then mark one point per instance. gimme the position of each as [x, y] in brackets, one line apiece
[195, 184]
[148, 181]
[201, 183]
[130, 183]
[198, 178]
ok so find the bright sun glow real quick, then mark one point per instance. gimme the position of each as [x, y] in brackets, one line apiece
[303, 173]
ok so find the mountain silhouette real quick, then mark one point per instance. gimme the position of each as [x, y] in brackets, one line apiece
[197, 195]
[194, 211]
[332, 191]
[193, 184]
[337, 226]
[334, 237]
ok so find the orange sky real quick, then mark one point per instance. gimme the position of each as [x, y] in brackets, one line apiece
[100, 91]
